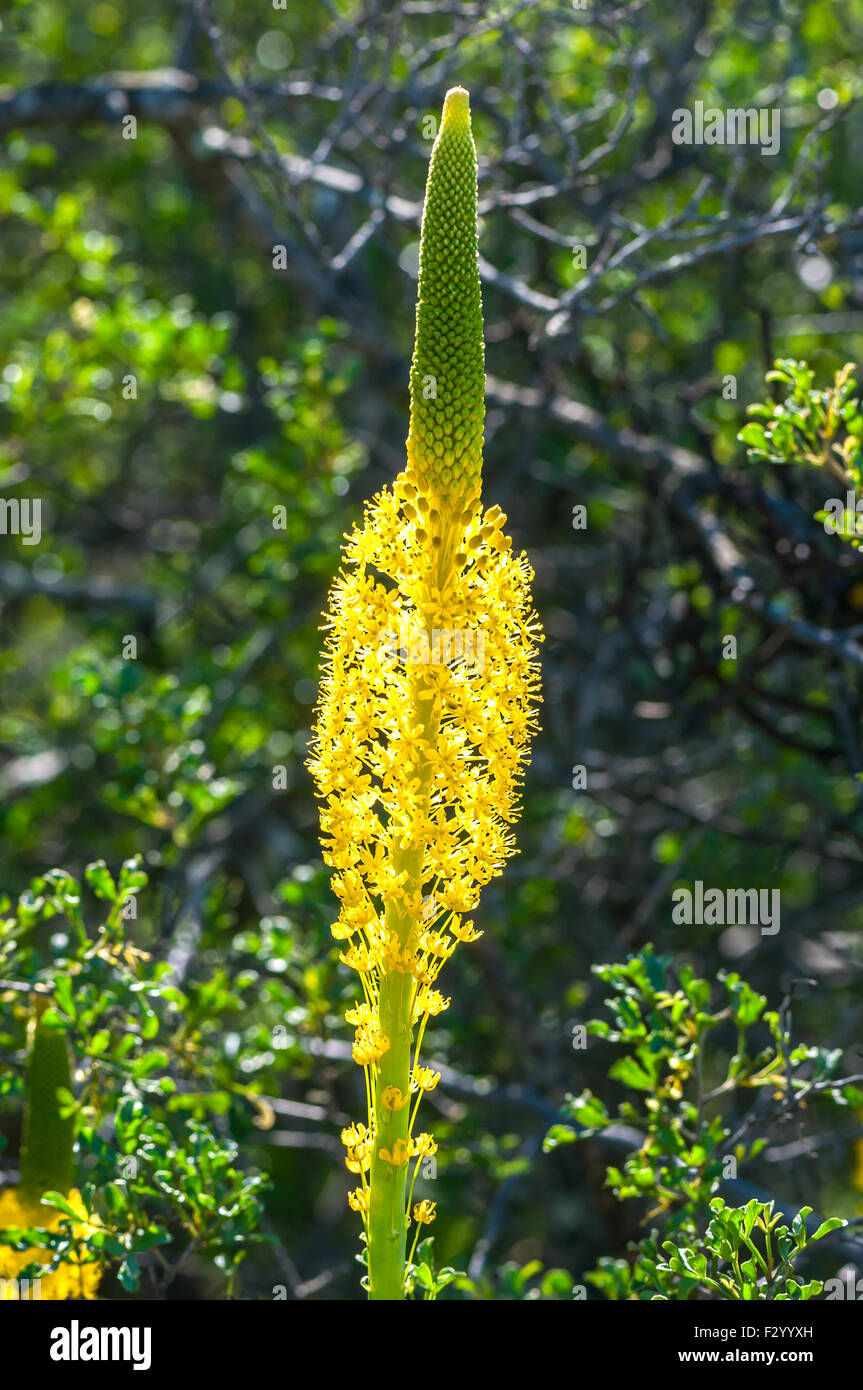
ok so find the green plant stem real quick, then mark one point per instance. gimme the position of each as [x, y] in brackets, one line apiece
[388, 1217]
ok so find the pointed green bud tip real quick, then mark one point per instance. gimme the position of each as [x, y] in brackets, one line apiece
[448, 369]
[456, 111]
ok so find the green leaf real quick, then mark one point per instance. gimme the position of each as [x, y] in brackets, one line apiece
[61, 1203]
[627, 1070]
[832, 1223]
[100, 880]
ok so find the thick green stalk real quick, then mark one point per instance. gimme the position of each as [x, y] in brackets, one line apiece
[388, 1183]
[47, 1148]
[388, 1218]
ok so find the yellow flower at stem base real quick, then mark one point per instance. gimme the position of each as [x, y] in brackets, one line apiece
[73, 1278]
[47, 1165]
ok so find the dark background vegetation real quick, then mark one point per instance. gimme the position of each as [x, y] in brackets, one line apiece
[304, 127]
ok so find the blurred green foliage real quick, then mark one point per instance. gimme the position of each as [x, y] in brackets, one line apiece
[699, 1132]
[202, 429]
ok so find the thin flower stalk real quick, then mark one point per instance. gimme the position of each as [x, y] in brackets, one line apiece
[427, 707]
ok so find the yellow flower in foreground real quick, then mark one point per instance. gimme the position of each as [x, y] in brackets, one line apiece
[73, 1278]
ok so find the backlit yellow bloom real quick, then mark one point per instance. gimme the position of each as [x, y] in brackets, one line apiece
[73, 1278]
[430, 1001]
[358, 1159]
[424, 1079]
[353, 1135]
[464, 931]
[369, 1045]
[425, 1212]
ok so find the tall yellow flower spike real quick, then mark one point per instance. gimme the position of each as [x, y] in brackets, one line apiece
[427, 707]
